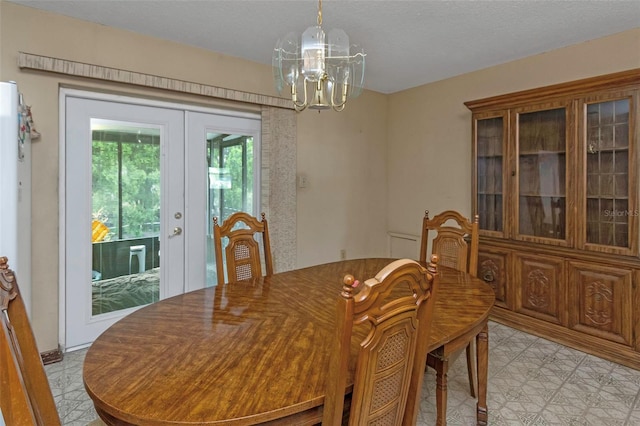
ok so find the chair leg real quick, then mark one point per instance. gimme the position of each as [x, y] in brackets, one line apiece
[441, 367]
[482, 342]
[471, 369]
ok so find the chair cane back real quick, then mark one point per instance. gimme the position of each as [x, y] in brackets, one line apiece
[25, 395]
[397, 307]
[450, 244]
[242, 252]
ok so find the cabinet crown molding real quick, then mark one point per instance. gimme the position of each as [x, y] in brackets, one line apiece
[619, 80]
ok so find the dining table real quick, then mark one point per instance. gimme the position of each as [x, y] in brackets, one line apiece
[257, 351]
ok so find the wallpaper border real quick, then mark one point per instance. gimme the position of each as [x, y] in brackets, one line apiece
[99, 72]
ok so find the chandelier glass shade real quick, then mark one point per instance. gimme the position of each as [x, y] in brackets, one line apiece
[321, 70]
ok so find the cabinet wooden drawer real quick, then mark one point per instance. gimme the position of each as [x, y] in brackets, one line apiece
[601, 301]
[540, 293]
[492, 269]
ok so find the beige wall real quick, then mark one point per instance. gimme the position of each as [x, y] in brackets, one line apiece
[344, 204]
[345, 163]
[429, 143]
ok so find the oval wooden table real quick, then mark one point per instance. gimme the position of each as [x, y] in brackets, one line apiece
[254, 352]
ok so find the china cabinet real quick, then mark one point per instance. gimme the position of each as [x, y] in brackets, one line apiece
[556, 186]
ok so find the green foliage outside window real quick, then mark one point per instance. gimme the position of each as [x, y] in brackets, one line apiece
[126, 181]
[239, 196]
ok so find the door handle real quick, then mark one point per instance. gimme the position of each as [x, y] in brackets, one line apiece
[176, 231]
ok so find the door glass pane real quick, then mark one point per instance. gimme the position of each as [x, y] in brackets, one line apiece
[607, 143]
[542, 170]
[489, 135]
[125, 215]
[231, 181]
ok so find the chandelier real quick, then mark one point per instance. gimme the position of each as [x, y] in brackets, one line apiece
[327, 66]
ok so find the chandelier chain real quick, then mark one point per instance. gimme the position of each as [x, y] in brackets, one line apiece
[319, 13]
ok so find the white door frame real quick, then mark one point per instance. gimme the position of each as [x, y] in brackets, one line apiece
[67, 92]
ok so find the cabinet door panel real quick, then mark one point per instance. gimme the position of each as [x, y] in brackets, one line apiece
[492, 269]
[607, 150]
[601, 299]
[541, 291]
[540, 135]
[490, 159]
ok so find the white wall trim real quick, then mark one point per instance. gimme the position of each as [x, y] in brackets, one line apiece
[408, 239]
[62, 214]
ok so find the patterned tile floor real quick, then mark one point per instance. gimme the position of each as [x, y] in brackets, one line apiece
[532, 381]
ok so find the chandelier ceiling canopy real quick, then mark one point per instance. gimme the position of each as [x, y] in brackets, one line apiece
[326, 65]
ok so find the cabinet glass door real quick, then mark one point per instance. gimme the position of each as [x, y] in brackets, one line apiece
[609, 196]
[490, 137]
[542, 168]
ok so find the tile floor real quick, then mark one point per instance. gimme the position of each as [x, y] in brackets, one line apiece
[532, 381]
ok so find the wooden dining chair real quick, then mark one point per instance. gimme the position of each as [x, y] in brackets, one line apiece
[396, 307]
[450, 243]
[25, 395]
[456, 244]
[242, 252]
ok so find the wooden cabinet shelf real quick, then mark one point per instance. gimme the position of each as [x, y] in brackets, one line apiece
[606, 196]
[540, 153]
[556, 186]
[592, 150]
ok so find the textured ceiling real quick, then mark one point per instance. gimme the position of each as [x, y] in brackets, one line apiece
[408, 43]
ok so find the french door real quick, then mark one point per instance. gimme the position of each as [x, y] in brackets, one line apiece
[222, 156]
[142, 182]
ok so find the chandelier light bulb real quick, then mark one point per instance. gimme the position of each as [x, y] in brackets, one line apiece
[313, 54]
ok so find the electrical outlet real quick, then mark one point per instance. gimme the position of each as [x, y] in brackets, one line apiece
[343, 254]
[302, 181]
